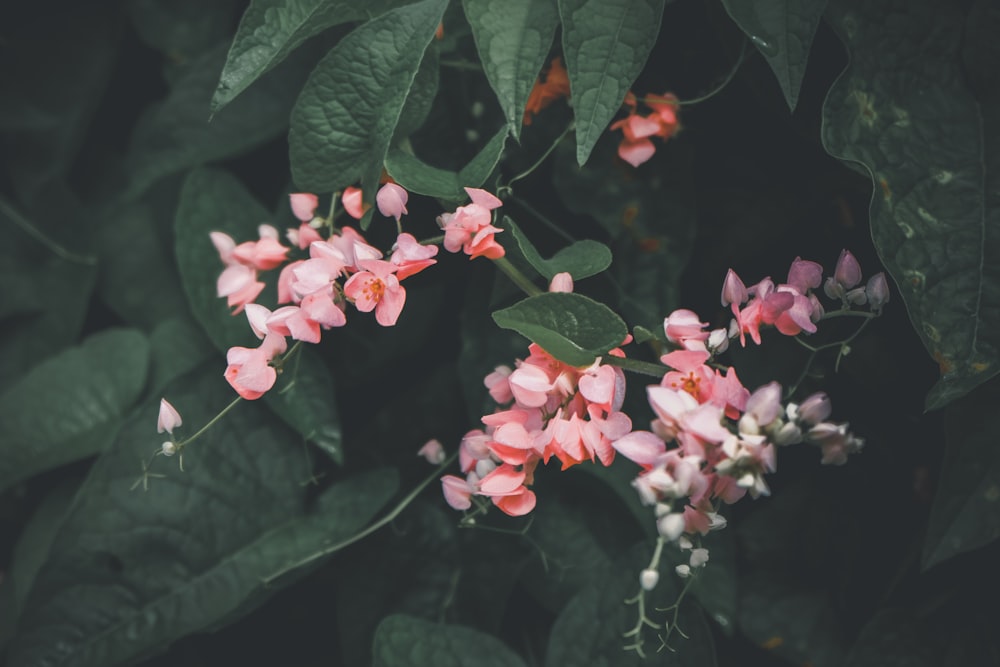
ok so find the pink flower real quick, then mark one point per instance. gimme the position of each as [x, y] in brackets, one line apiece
[878, 292]
[469, 226]
[457, 492]
[352, 201]
[391, 199]
[561, 282]
[411, 257]
[846, 275]
[169, 418]
[377, 288]
[303, 236]
[249, 371]
[239, 284]
[683, 324]
[303, 205]
[805, 275]
[433, 452]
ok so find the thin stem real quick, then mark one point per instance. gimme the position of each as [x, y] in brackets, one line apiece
[641, 367]
[516, 276]
[527, 172]
[40, 236]
[542, 218]
[814, 350]
[434, 240]
[718, 89]
[396, 511]
[210, 424]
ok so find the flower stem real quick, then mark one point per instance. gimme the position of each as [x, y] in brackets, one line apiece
[527, 172]
[516, 276]
[210, 424]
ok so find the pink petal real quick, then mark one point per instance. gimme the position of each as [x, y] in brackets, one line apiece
[457, 492]
[636, 153]
[303, 205]
[483, 198]
[641, 447]
[168, 418]
[503, 481]
[351, 199]
[517, 505]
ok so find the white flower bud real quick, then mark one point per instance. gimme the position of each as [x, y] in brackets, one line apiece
[698, 557]
[648, 579]
[662, 509]
[671, 526]
[683, 571]
[718, 341]
[169, 448]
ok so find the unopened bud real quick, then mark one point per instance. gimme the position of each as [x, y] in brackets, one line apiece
[815, 408]
[648, 579]
[878, 292]
[169, 448]
[671, 526]
[848, 271]
[698, 557]
[718, 341]
[561, 282]
[683, 571]
[733, 289]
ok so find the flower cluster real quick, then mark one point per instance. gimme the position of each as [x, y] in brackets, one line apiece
[725, 437]
[637, 145]
[554, 86]
[546, 409]
[792, 307]
[339, 270]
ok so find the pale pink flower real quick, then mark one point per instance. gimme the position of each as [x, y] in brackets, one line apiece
[239, 284]
[498, 385]
[469, 226]
[411, 256]
[561, 282]
[249, 371]
[457, 492]
[303, 236]
[352, 201]
[433, 452]
[303, 205]
[377, 288]
[684, 324]
[733, 290]
[168, 419]
[878, 292]
[805, 275]
[391, 200]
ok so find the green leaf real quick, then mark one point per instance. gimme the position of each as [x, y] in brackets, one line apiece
[421, 97]
[406, 641]
[513, 38]
[214, 200]
[68, 407]
[416, 176]
[965, 514]
[589, 632]
[304, 398]
[895, 637]
[179, 132]
[606, 44]
[582, 259]
[130, 572]
[345, 117]
[935, 211]
[783, 32]
[570, 327]
[271, 29]
[178, 346]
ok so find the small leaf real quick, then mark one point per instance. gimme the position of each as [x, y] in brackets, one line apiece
[406, 641]
[582, 259]
[783, 32]
[416, 176]
[271, 29]
[570, 327]
[935, 211]
[965, 514]
[606, 44]
[68, 407]
[130, 571]
[513, 38]
[345, 117]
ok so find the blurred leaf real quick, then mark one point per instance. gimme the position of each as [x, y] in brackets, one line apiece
[935, 214]
[582, 259]
[56, 68]
[570, 327]
[271, 29]
[590, 630]
[414, 175]
[513, 38]
[182, 29]
[420, 99]
[214, 200]
[965, 514]
[304, 398]
[893, 638]
[406, 641]
[344, 119]
[131, 572]
[68, 407]
[179, 132]
[783, 33]
[606, 44]
[30, 552]
[178, 346]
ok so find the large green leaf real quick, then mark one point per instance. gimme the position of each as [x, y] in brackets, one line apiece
[965, 514]
[178, 346]
[581, 259]
[179, 132]
[416, 176]
[407, 641]
[131, 571]
[929, 144]
[513, 38]
[570, 327]
[606, 44]
[214, 200]
[345, 117]
[68, 407]
[783, 32]
[271, 29]
[590, 630]
[895, 637]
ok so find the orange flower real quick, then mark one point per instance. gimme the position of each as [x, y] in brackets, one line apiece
[546, 92]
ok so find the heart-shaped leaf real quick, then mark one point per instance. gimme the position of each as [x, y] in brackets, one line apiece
[582, 259]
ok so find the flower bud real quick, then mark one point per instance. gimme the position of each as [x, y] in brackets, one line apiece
[303, 205]
[698, 557]
[391, 199]
[805, 275]
[878, 292]
[718, 341]
[561, 282]
[815, 409]
[433, 452]
[169, 418]
[733, 289]
[683, 571]
[848, 271]
[648, 579]
[671, 526]
[169, 448]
